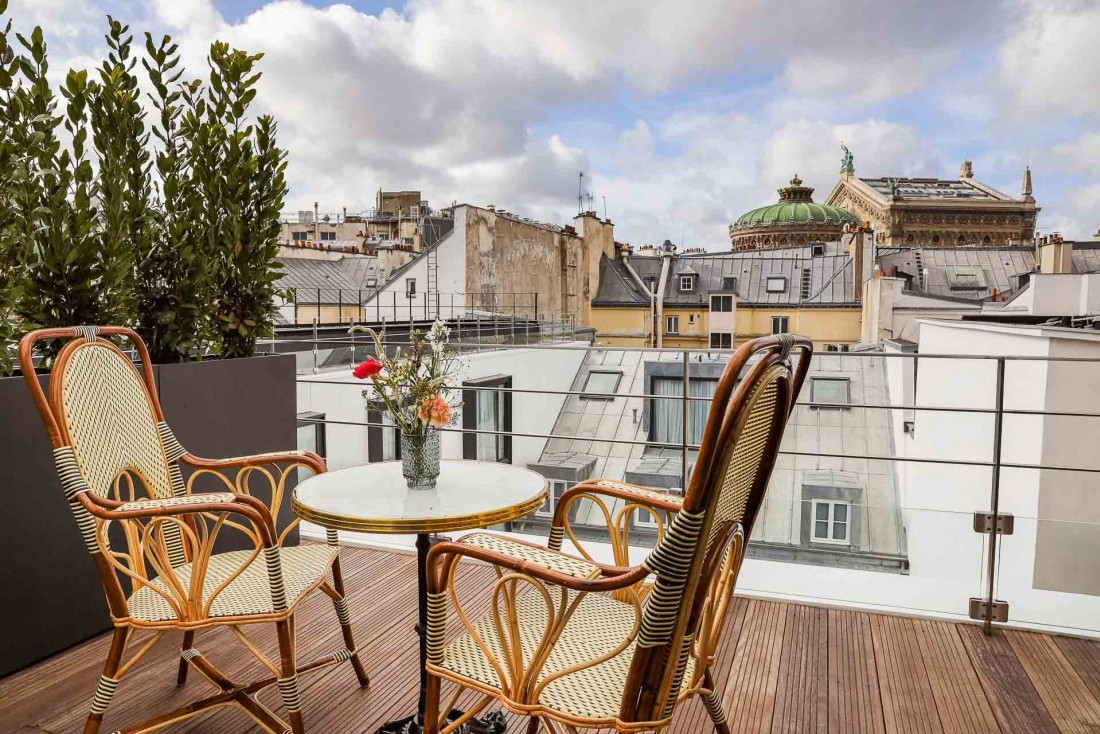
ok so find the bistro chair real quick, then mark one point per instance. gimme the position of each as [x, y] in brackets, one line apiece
[152, 539]
[571, 642]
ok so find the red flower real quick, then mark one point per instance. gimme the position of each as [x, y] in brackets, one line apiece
[367, 369]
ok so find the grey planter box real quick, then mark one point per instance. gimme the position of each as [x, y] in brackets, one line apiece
[217, 409]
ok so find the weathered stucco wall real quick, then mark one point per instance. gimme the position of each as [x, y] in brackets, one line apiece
[507, 256]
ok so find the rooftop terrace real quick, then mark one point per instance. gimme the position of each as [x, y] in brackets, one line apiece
[781, 668]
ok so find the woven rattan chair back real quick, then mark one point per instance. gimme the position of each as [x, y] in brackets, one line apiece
[108, 433]
[739, 447]
[107, 417]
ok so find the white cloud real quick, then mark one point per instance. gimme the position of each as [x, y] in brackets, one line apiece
[1049, 66]
[486, 101]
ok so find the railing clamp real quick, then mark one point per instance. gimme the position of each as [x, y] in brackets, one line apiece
[984, 610]
[986, 522]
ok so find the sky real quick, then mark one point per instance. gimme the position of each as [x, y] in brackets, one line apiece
[681, 116]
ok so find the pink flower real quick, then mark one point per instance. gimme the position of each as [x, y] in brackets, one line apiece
[367, 369]
[435, 411]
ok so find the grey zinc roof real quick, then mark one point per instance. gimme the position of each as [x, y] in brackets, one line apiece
[336, 280]
[810, 433]
[830, 277]
[1086, 257]
[998, 264]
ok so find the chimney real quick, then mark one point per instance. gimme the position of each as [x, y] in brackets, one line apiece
[1055, 255]
[966, 170]
[1025, 190]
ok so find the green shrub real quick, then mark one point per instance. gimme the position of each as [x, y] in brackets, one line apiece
[177, 239]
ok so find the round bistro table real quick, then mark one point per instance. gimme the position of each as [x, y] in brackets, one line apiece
[374, 498]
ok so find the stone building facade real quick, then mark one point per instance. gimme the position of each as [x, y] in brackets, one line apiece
[962, 212]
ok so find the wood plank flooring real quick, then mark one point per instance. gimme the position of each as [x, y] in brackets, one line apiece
[780, 667]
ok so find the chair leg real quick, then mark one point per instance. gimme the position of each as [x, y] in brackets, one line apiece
[713, 703]
[431, 706]
[188, 641]
[288, 684]
[105, 691]
[533, 725]
[344, 616]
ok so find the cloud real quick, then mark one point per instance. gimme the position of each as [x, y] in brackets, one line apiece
[1049, 65]
[683, 120]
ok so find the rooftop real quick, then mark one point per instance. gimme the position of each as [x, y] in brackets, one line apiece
[780, 668]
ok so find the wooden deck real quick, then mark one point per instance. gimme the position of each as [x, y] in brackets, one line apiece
[782, 668]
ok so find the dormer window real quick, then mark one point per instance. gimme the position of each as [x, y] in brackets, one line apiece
[687, 282]
[776, 284]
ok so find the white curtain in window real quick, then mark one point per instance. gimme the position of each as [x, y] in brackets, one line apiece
[489, 418]
[668, 415]
[389, 438]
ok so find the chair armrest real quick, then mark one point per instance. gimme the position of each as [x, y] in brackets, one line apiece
[310, 459]
[241, 504]
[632, 493]
[532, 560]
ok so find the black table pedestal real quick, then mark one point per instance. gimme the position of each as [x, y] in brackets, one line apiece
[491, 723]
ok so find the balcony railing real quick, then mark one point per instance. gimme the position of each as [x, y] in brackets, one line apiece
[968, 499]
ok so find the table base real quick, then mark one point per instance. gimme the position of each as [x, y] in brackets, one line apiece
[492, 723]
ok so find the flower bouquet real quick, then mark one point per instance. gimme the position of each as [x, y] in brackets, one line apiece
[412, 387]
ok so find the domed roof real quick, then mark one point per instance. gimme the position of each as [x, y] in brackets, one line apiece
[796, 206]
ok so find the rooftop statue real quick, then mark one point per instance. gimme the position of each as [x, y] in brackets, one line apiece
[846, 161]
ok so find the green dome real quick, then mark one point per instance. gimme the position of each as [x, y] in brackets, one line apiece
[796, 206]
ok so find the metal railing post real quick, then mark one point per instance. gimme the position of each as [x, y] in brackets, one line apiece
[339, 305]
[315, 340]
[318, 308]
[995, 493]
[684, 435]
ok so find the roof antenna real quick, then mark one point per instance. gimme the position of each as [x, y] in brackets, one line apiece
[580, 191]
[605, 208]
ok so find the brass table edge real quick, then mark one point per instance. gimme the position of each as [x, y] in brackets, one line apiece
[416, 526]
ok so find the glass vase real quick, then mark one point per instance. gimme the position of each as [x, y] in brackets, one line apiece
[420, 458]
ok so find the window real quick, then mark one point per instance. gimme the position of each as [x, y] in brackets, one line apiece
[721, 340]
[601, 381]
[830, 391]
[781, 324]
[672, 325]
[831, 522]
[686, 282]
[383, 437]
[311, 437]
[729, 283]
[817, 249]
[490, 411]
[667, 414]
[299, 235]
[410, 287]
[965, 277]
[372, 282]
[691, 318]
[721, 304]
[557, 489]
[328, 236]
[775, 284]
[311, 432]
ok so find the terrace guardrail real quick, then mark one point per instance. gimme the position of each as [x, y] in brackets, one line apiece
[935, 527]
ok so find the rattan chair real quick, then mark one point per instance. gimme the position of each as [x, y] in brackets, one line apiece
[574, 643]
[148, 534]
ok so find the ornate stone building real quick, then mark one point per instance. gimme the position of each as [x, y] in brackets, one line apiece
[937, 212]
[794, 221]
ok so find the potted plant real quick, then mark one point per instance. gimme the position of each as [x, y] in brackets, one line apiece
[163, 220]
[415, 387]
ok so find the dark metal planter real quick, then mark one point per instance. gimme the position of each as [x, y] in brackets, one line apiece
[216, 409]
